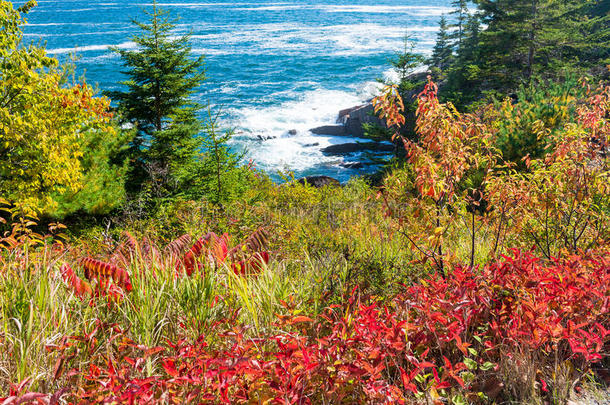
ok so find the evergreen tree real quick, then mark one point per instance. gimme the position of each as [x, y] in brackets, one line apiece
[528, 38]
[162, 77]
[523, 40]
[464, 77]
[442, 53]
[595, 23]
[405, 64]
[460, 10]
[409, 85]
[219, 175]
[469, 53]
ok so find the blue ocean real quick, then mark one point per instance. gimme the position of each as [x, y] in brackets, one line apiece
[275, 69]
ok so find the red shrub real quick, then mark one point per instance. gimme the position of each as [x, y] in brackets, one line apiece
[178, 246]
[421, 342]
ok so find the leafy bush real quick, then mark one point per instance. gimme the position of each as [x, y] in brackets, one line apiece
[517, 329]
[559, 201]
[58, 142]
[563, 200]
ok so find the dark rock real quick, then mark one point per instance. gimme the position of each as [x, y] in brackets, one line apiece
[292, 132]
[347, 148]
[356, 118]
[265, 138]
[319, 181]
[352, 165]
[332, 130]
[344, 114]
[309, 145]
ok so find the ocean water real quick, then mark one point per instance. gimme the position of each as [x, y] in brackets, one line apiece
[272, 67]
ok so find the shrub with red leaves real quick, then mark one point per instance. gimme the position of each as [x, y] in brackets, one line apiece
[440, 337]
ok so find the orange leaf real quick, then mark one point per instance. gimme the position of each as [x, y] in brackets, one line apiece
[300, 319]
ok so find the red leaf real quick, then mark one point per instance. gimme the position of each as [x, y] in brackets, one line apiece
[170, 368]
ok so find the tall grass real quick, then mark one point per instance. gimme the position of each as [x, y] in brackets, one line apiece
[324, 244]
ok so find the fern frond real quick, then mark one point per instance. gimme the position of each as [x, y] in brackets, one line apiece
[80, 287]
[103, 272]
[178, 246]
[189, 260]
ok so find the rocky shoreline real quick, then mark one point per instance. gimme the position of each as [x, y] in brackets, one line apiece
[357, 152]
[350, 122]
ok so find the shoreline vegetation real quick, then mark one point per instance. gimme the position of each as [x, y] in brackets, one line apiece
[144, 262]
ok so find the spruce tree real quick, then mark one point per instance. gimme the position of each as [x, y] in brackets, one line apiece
[460, 10]
[405, 65]
[595, 24]
[529, 38]
[464, 77]
[219, 175]
[161, 79]
[409, 84]
[442, 52]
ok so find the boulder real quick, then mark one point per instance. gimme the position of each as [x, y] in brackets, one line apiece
[357, 117]
[344, 114]
[309, 145]
[319, 181]
[292, 132]
[265, 138]
[332, 130]
[347, 148]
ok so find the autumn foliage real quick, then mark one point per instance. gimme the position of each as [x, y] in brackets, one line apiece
[454, 337]
[249, 256]
[521, 313]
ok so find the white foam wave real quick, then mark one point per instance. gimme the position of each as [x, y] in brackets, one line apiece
[287, 39]
[301, 151]
[203, 5]
[420, 11]
[75, 34]
[90, 48]
[84, 24]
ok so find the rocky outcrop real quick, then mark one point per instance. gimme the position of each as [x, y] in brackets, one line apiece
[265, 138]
[354, 118]
[319, 181]
[347, 148]
[350, 122]
[332, 130]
